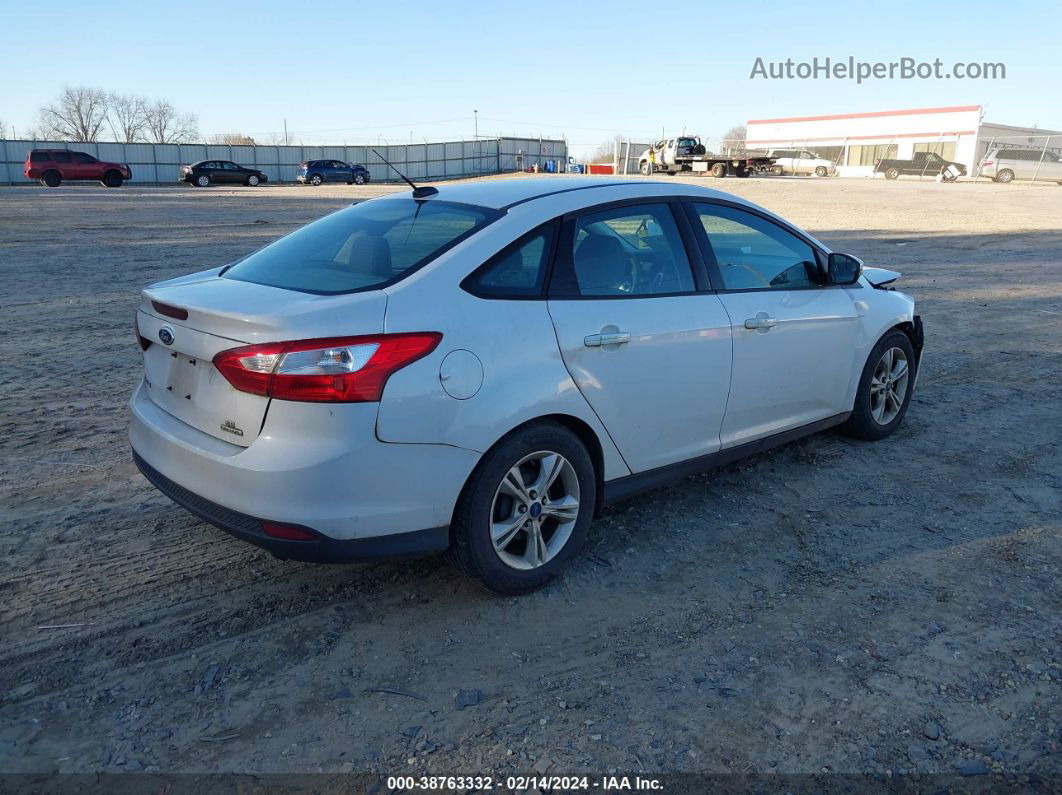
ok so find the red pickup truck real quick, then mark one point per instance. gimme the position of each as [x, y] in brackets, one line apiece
[54, 166]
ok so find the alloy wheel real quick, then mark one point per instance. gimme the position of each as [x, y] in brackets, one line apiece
[888, 386]
[534, 510]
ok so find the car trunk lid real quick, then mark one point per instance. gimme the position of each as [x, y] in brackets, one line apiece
[188, 321]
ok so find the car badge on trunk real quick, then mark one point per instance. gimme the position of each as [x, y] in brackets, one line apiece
[230, 427]
[166, 335]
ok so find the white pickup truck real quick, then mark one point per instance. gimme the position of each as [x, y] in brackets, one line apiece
[687, 153]
[801, 161]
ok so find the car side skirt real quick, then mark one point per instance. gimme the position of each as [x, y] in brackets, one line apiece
[632, 485]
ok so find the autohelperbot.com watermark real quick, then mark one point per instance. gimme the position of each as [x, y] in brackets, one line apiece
[850, 68]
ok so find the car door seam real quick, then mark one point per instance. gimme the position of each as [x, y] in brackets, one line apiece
[601, 422]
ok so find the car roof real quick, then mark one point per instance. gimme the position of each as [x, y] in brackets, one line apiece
[501, 194]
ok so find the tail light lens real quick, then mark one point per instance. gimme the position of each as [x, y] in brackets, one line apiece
[144, 342]
[986, 162]
[334, 370]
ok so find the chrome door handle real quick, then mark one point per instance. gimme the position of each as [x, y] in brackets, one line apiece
[761, 322]
[615, 338]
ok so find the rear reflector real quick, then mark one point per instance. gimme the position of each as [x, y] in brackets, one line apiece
[331, 370]
[286, 532]
[170, 311]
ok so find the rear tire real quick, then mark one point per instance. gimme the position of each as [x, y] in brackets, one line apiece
[52, 179]
[719, 170]
[1005, 176]
[112, 179]
[202, 181]
[489, 538]
[885, 388]
[777, 171]
[892, 173]
[315, 180]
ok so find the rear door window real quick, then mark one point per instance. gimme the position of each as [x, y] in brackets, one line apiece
[518, 271]
[362, 247]
[627, 251]
[81, 157]
[61, 157]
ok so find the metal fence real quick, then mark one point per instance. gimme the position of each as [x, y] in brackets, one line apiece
[161, 163]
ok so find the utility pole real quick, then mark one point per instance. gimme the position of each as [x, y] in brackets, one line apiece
[475, 115]
[285, 132]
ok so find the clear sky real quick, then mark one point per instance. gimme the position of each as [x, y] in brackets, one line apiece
[349, 72]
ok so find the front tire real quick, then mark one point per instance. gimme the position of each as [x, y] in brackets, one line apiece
[525, 510]
[820, 171]
[885, 388]
[253, 180]
[112, 179]
[359, 179]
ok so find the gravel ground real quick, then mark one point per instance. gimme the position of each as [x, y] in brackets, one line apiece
[829, 606]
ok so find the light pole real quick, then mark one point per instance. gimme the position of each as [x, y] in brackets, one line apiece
[475, 115]
[475, 137]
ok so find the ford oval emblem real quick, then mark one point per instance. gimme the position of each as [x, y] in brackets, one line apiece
[166, 335]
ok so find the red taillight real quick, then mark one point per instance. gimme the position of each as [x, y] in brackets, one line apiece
[986, 162]
[144, 343]
[170, 311]
[286, 532]
[333, 370]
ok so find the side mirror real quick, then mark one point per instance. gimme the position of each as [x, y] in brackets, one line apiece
[843, 269]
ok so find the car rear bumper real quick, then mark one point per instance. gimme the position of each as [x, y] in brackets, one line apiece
[319, 550]
[314, 466]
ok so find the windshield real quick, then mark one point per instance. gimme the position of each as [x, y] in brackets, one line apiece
[362, 247]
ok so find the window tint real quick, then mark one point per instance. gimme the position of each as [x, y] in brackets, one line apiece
[61, 157]
[518, 270]
[625, 251]
[230, 165]
[362, 246]
[39, 157]
[81, 157]
[756, 254]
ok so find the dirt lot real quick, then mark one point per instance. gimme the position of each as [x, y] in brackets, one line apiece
[830, 606]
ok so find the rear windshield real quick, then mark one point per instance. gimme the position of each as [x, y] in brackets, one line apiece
[362, 247]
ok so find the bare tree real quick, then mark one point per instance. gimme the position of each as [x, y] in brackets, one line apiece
[733, 142]
[231, 139]
[3, 129]
[127, 117]
[165, 125]
[605, 152]
[79, 114]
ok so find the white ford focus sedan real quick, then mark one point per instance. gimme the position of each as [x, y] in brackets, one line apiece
[480, 368]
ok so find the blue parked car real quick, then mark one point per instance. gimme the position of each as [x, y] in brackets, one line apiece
[314, 172]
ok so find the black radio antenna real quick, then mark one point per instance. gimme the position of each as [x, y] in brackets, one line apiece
[418, 193]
